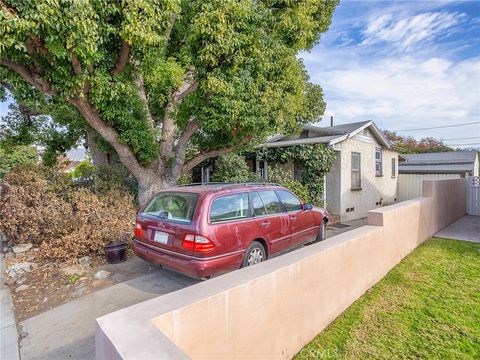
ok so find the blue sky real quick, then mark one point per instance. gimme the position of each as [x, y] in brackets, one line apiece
[403, 64]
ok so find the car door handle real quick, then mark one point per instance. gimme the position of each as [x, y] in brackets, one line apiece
[293, 218]
[266, 223]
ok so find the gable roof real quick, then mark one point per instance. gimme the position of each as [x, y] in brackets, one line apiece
[327, 135]
[443, 162]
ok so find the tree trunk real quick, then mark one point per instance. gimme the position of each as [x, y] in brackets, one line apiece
[98, 156]
[148, 186]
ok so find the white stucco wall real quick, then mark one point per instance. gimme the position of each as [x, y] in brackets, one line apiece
[334, 177]
[374, 189]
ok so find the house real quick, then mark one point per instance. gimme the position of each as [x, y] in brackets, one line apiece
[461, 163]
[364, 175]
[434, 166]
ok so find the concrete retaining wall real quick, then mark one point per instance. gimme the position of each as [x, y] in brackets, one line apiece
[273, 309]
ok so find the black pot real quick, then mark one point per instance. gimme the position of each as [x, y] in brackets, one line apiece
[116, 252]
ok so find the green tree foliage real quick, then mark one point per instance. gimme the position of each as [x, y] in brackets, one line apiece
[54, 135]
[166, 83]
[15, 156]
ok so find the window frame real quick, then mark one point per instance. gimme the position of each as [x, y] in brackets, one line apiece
[285, 206]
[394, 168]
[378, 150]
[359, 187]
[249, 208]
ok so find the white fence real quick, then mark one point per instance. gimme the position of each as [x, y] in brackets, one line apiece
[409, 186]
[473, 195]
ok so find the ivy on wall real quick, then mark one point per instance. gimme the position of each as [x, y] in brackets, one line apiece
[313, 160]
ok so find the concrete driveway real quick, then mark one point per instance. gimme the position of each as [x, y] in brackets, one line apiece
[68, 331]
[467, 228]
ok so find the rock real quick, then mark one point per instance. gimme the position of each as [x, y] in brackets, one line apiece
[73, 270]
[21, 288]
[79, 292]
[21, 280]
[102, 274]
[20, 268]
[85, 262]
[20, 248]
[97, 283]
[9, 255]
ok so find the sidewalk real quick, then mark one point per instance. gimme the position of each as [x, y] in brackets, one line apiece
[8, 334]
[467, 228]
[68, 331]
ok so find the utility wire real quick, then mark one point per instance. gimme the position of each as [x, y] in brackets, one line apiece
[466, 138]
[440, 127]
[462, 144]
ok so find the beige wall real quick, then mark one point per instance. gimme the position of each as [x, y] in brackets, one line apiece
[273, 309]
[374, 188]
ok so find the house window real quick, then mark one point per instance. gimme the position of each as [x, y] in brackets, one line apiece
[378, 161]
[394, 169]
[356, 171]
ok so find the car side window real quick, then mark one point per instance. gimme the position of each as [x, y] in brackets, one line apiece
[258, 207]
[271, 202]
[290, 201]
[229, 207]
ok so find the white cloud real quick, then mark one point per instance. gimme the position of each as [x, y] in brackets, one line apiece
[402, 92]
[407, 30]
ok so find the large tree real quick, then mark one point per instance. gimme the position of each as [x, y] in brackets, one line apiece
[166, 83]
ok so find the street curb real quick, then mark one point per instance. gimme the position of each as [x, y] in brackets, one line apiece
[8, 333]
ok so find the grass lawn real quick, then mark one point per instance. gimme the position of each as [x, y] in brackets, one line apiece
[428, 306]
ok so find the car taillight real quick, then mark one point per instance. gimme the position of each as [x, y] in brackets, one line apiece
[197, 243]
[138, 230]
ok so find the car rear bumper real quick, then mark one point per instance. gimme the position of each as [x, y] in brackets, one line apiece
[189, 265]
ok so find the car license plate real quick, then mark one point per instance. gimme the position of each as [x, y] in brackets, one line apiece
[160, 237]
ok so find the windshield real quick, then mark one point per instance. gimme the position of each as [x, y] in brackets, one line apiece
[172, 206]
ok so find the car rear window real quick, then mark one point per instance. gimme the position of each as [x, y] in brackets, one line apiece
[172, 206]
[229, 207]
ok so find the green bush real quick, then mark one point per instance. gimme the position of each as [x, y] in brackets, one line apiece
[232, 168]
[83, 169]
[285, 178]
[12, 156]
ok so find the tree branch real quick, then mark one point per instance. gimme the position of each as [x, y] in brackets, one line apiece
[77, 68]
[212, 153]
[31, 77]
[181, 147]
[108, 133]
[143, 96]
[168, 125]
[123, 56]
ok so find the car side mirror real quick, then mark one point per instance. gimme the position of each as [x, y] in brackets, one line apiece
[307, 206]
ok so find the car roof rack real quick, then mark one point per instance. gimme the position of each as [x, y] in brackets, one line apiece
[225, 184]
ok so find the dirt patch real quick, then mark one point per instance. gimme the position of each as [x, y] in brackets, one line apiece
[49, 285]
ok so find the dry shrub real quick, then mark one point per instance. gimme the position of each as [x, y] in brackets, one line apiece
[45, 208]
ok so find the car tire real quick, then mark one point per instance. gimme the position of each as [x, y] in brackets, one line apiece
[255, 254]
[322, 233]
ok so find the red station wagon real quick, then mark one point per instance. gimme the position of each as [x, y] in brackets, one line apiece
[210, 229]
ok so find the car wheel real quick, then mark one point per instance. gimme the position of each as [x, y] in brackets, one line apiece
[322, 232]
[255, 254]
